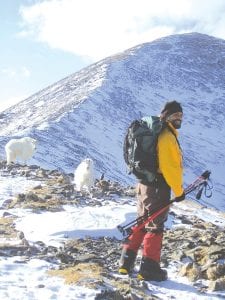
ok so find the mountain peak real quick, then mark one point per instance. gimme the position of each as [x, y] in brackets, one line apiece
[86, 114]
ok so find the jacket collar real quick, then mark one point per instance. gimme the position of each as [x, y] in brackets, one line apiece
[172, 128]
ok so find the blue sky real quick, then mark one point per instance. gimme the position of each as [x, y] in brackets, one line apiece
[43, 41]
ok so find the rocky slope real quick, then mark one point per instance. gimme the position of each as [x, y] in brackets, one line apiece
[196, 247]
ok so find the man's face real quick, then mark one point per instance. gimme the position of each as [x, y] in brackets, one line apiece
[176, 119]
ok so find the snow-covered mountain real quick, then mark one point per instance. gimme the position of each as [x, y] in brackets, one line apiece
[86, 114]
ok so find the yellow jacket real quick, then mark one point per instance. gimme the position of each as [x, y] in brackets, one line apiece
[170, 160]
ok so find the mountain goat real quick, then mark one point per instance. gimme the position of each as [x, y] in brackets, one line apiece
[84, 175]
[22, 149]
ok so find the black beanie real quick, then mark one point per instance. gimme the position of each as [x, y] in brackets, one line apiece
[171, 108]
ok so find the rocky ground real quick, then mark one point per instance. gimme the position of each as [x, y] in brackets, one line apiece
[199, 252]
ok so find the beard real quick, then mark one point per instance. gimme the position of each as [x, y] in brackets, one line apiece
[176, 123]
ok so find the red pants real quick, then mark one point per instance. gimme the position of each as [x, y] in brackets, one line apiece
[150, 197]
[152, 244]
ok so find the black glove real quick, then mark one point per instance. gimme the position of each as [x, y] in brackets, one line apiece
[180, 198]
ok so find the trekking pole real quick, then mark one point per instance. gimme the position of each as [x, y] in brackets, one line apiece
[200, 183]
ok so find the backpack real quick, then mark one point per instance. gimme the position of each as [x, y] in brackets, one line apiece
[139, 149]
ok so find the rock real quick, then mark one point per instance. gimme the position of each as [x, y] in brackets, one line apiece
[196, 245]
[215, 272]
[192, 271]
[218, 285]
[20, 235]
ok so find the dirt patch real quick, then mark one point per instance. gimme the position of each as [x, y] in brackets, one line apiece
[87, 274]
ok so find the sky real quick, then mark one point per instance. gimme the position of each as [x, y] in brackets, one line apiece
[43, 41]
[22, 279]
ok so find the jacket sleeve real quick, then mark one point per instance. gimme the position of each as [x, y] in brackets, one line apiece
[170, 162]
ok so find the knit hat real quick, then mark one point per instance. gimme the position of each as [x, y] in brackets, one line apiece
[171, 108]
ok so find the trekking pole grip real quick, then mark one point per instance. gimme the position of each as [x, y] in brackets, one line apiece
[206, 174]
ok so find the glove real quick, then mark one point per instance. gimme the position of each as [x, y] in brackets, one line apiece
[180, 198]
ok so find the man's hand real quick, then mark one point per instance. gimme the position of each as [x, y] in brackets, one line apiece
[180, 198]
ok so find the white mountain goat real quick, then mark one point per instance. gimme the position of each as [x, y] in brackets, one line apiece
[84, 175]
[22, 149]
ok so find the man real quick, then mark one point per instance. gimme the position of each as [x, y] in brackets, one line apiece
[153, 195]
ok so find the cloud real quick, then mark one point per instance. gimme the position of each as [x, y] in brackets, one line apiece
[100, 28]
[11, 73]
[14, 73]
[25, 72]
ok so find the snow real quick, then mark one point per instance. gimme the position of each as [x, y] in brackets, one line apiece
[13, 186]
[99, 221]
[86, 114]
[29, 280]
